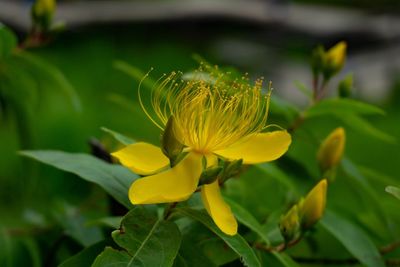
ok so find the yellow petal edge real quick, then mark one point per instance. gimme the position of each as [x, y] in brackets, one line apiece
[175, 184]
[261, 147]
[142, 158]
[219, 211]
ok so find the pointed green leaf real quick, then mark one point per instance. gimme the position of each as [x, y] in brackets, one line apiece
[364, 127]
[111, 221]
[85, 257]
[244, 217]
[135, 73]
[47, 72]
[342, 106]
[112, 258]
[119, 137]
[114, 179]
[237, 243]
[395, 191]
[277, 259]
[146, 240]
[285, 259]
[8, 41]
[353, 238]
[360, 182]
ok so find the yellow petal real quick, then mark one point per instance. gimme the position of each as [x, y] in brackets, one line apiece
[176, 184]
[212, 160]
[142, 158]
[262, 147]
[219, 211]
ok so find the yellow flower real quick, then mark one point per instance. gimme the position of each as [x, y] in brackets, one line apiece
[331, 150]
[214, 117]
[313, 206]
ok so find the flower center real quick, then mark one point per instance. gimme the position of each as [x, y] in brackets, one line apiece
[212, 109]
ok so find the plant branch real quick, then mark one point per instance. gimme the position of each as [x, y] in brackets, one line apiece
[390, 247]
[279, 248]
[168, 210]
[326, 261]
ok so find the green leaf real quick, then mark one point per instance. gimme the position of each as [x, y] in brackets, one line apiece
[135, 73]
[280, 106]
[353, 239]
[74, 224]
[304, 89]
[112, 222]
[45, 71]
[285, 259]
[114, 179]
[395, 191]
[85, 257]
[246, 218]
[112, 258]
[364, 127]
[146, 240]
[119, 137]
[276, 173]
[34, 251]
[277, 259]
[8, 41]
[191, 255]
[236, 242]
[342, 106]
[360, 182]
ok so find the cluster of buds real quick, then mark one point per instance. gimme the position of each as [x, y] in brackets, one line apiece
[330, 62]
[305, 214]
[42, 15]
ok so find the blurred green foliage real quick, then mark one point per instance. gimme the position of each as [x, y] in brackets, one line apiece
[51, 215]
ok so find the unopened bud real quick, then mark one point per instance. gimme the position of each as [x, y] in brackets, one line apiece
[317, 60]
[289, 225]
[42, 14]
[312, 207]
[346, 86]
[170, 145]
[334, 59]
[331, 150]
[231, 169]
[210, 175]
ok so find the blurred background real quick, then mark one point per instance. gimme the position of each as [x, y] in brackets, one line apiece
[273, 39]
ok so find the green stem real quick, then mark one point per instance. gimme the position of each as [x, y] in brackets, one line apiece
[169, 209]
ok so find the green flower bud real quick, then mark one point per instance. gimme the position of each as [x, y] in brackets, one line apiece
[42, 14]
[210, 175]
[317, 60]
[170, 145]
[231, 169]
[312, 207]
[303, 215]
[289, 225]
[346, 86]
[331, 150]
